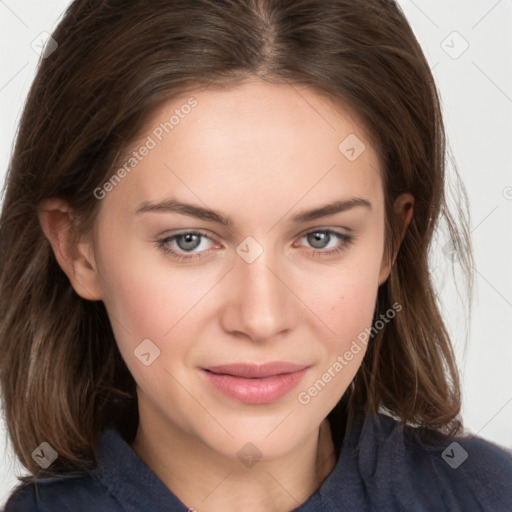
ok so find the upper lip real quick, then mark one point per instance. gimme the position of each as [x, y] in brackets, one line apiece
[251, 370]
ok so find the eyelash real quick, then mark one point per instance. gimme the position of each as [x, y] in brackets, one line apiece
[164, 244]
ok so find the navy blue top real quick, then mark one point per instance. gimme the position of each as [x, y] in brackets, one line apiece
[382, 467]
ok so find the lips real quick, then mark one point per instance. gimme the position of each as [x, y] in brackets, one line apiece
[256, 371]
[255, 384]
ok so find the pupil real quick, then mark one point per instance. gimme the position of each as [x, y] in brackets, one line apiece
[188, 242]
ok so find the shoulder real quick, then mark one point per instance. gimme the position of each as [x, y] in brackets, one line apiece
[61, 494]
[118, 481]
[459, 473]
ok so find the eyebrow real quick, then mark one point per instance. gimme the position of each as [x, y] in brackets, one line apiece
[174, 206]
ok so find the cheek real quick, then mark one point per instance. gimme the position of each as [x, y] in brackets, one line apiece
[146, 303]
[346, 305]
[144, 297]
[344, 296]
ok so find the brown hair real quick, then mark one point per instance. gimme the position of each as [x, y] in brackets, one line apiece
[62, 377]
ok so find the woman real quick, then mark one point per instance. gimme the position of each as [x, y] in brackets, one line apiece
[215, 244]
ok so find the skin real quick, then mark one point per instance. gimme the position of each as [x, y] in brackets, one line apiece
[260, 154]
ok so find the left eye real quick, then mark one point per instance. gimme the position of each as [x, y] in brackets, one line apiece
[319, 239]
[325, 239]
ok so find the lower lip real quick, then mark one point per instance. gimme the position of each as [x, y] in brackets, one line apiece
[255, 391]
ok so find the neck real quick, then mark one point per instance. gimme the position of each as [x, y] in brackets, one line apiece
[207, 481]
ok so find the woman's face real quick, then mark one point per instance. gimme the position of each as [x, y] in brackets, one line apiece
[250, 230]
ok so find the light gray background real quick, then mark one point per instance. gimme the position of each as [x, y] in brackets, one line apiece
[476, 90]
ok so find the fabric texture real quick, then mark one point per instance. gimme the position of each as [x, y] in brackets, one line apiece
[382, 467]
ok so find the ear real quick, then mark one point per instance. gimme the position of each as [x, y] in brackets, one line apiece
[75, 257]
[403, 208]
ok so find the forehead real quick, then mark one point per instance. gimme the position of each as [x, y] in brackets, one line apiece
[253, 142]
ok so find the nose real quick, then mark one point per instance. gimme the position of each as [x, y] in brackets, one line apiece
[261, 304]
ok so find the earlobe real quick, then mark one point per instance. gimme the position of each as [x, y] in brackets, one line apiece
[403, 208]
[75, 257]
